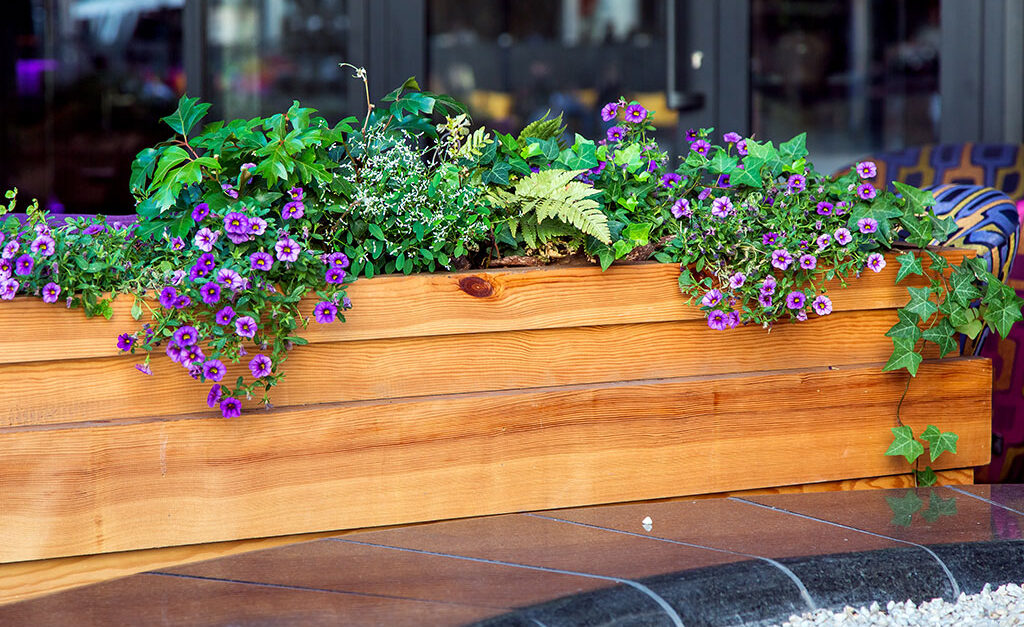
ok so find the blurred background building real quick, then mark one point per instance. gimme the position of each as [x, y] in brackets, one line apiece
[86, 81]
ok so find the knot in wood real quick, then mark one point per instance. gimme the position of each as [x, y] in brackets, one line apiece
[476, 287]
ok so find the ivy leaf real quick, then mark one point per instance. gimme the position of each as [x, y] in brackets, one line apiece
[920, 303]
[919, 230]
[750, 175]
[943, 228]
[795, 148]
[190, 111]
[917, 199]
[880, 211]
[1002, 314]
[903, 443]
[942, 335]
[906, 328]
[961, 285]
[903, 356]
[722, 163]
[939, 262]
[909, 264]
[926, 478]
[938, 506]
[939, 441]
[903, 509]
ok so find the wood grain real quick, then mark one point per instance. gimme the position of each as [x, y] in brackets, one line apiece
[956, 476]
[72, 491]
[442, 304]
[109, 388]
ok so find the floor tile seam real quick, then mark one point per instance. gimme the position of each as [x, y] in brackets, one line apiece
[665, 606]
[949, 574]
[264, 584]
[804, 592]
[981, 498]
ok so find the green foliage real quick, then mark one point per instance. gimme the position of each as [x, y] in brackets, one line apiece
[543, 129]
[904, 507]
[905, 444]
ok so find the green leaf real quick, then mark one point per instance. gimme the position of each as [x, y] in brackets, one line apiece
[171, 157]
[136, 310]
[919, 230]
[939, 262]
[925, 478]
[638, 232]
[942, 334]
[939, 441]
[722, 163]
[750, 175]
[1002, 314]
[909, 264]
[795, 148]
[903, 509]
[190, 111]
[903, 443]
[298, 341]
[917, 199]
[943, 228]
[880, 211]
[905, 328]
[142, 169]
[903, 356]
[938, 506]
[961, 285]
[376, 231]
[920, 303]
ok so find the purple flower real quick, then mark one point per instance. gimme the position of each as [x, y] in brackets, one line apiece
[214, 396]
[732, 319]
[867, 225]
[177, 277]
[227, 276]
[770, 238]
[339, 260]
[296, 193]
[723, 181]
[167, 297]
[795, 300]
[287, 249]
[721, 207]
[701, 146]
[257, 226]
[236, 223]
[691, 135]
[231, 407]
[324, 312]
[616, 134]
[704, 193]
[346, 303]
[11, 249]
[841, 207]
[177, 243]
[801, 315]
[765, 300]
[125, 341]
[24, 265]
[261, 261]
[186, 336]
[711, 298]
[741, 147]
[260, 366]
[5, 269]
[293, 209]
[867, 191]
[196, 272]
[717, 320]
[822, 305]
[808, 262]
[214, 370]
[9, 288]
[225, 316]
[843, 236]
[144, 369]
[768, 285]
[681, 208]
[245, 326]
[635, 114]
[609, 111]
[229, 190]
[825, 208]
[796, 183]
[876, 262]
[207, 261]
[236, 238]
[182, 301]
[867, 169]
[205, 239]
[200, 211]
[781, 258]
[731, 138]
[823, 241]
[191, 354]
[335, 276]
[43, 245]
[173, 351]
[50, 292]
[737, 280]
[93, 229]
[210, 293]
[670, 180]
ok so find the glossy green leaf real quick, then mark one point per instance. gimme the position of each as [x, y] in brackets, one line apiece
[909, 264]
[903, 443]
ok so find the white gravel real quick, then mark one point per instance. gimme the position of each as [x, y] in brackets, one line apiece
[999, 607]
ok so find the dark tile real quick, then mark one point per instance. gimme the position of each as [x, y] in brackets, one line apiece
[150, 599]
[973, 565]
[343, 566]
[620, 605]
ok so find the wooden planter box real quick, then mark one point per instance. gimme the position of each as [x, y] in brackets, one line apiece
[456, 395]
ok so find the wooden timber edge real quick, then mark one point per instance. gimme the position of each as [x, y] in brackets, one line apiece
[21, 581]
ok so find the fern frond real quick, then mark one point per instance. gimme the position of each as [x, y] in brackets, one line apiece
[556, 194]
[475, 143]
[543, 128]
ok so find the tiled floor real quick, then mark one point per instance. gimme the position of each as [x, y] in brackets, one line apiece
[703, 562]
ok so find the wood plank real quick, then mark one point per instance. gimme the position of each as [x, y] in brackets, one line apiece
[955, 476]
[70, 491]
[91, 390]
[441, 304]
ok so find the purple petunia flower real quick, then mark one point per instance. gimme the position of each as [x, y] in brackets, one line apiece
[245, 326]
[324, 312]
[177, 277]
[226, 276]
[769, 238]
[635, 114]
[681, 208]
[768, 285]
[287, 249]
[236, 238]
[207, 261]
[732, 319]
[186, 336]
[43, 245]
[24, 265]
[335, 276]
[173, 351]
[825, 208]
[711, 298]
[737, 280]
[236, 223]
[795, 300]
[609, 111]
[167, 297]
[125, 341]
[867, 191]
[200, 211]
[808, 262]
[822, 305]
[876, 262]
[670, 180]
[191, 354]
[701, 146]
[867, 225]
[723, 181]
[823, 241]
[93, 229]
[294, 209]
[843, 236]
[11, 249]
[177, 243]
[704, 193]
[616, 134]
[296, 193]
[144, 369]
[257, 226]
[213, 398]
[261, 261]
[867, 169]
[205, 239]
[721, 207]
[717, 320]
[229, 190]
[796, 183]
[691, 135]
[196, 272]
[210, 292]
[260, 366]
[339, 260]
[231, 407]
[225, 316]
[214, 370]
[346, 303]
[50, 292]
[9, 288]
[765, 300]
[182, 301]
[731, 137]
[741, 148]
[781, 258]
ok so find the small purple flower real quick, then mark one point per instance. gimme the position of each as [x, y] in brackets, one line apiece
[260, 366]
[721, 207]
[43, 245]
[731, 138]
[177, 277]
[213, 398]
[287, 250]
[867, 191]
[6, 270]
[167, 297]
[245, 326]
[770, 238]
[801, 315]
[823, 241]
[701, 146]
[236, 238]
[841, 207]
[765, 300]
[635, 114]
[224, 316]
[732, 319]
[205, 239]
[670, 180]
[324, 312]
[843, 236]
[867, 225]
[210, 293]
[182, 301]
[11, 249]
[294, 209]
[229, 190]
[214, 370]
[808, 262]
[737, 280]
[616, 134]
[261, 261]
[681, 208]
[796, 183]
[236, 223]
[226, 276]
[711, 298]
[257, 226]
[9, 288]
[231, 407]
[207, 261]
[822, 305]
[177, 243]
[125, 341]
[723, 181]
[795, 300]
[296, 193]
[186, 336]
[335, 276]
[24, 265]
[144, 369]
[867, 169]
[704, 193]
[50, 292]
[609, 111]
[781, 258]
[173, 351]
[768, 285]
[200, 211]
[876, 262]
[691, 135]
[197, 272]
[741, 148]
[93, 229]
[192, 354]
[346, 303]
[825, 208]
[717, 320]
